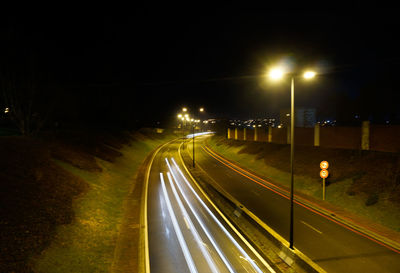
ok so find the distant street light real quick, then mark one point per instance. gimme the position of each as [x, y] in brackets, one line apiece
[182, 119]
[277, 74]
[193, 123]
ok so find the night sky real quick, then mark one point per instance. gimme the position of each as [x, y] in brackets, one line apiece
[145, 64]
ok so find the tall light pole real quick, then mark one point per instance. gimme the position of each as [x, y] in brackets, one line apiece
[194, 125]
[278, 74]
[292, 120]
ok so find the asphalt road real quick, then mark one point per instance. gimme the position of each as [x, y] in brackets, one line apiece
[185, 232]
[332, 246]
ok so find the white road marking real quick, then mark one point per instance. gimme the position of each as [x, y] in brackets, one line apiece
[186, 222]
[193, 229]
[202, 225]
[255, 266]
[178, 231]
[310, 226]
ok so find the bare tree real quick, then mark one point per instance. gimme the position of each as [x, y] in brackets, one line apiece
[21, 96]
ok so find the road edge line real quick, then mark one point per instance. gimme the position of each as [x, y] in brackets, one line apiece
[255, 252]
[144, 233]
[371, 235]
[280, 240]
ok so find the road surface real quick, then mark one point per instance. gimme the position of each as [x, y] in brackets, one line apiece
[331, 245]
[186, 233]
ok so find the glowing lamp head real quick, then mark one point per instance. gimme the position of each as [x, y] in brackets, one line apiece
[201, 109]
[309, 74]
[184, 109]
[180, 116]
[275, 73]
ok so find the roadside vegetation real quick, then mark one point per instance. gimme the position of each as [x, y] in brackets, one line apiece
[364, 183]
[62, 197]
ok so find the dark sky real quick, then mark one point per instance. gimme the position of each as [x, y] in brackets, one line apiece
[156, 61]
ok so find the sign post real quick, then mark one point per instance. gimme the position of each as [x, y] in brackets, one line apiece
[323, 174]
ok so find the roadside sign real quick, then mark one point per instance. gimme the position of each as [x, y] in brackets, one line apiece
[324, 173]
[324, 165]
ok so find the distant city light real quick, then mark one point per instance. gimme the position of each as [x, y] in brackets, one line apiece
[6, 110]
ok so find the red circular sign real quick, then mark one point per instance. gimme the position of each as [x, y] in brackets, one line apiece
[324, 173]
[324, 165]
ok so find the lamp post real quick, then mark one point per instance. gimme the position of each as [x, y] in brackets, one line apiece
[194, 125]
[278, 74]
[180, 120]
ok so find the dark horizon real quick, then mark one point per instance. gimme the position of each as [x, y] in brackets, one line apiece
[148, 65]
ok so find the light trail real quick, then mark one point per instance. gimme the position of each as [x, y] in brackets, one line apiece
[199, 134]
[193, 228]
[178, 231]
[244, 253]
[202, 225]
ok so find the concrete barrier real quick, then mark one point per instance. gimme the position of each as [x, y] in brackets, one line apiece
[367, 137]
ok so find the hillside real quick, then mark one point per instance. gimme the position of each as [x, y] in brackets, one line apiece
[54, 185]
[366, 183]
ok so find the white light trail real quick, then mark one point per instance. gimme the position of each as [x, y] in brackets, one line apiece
[192, 228]
[202, 225]
[244, 253]
[199, 134]
[178, 231]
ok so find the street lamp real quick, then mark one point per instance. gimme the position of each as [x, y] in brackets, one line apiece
[277, 74]
[193, 124]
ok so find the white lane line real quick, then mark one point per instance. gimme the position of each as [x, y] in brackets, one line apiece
[178, 231]
[186, 222]
[255, 192]
[202, 225]
[192, 228]
[310, 226]
[244, 253]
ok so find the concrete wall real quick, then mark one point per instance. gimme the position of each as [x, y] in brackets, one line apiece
[279, 135]
[262, 135]
[304, 136]
[366, 137]
[340, 137]
[385, 138]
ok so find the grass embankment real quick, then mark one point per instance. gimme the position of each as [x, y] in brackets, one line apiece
[365, 183]
[62, 198]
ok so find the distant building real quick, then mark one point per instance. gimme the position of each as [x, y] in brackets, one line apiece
[304, 117]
